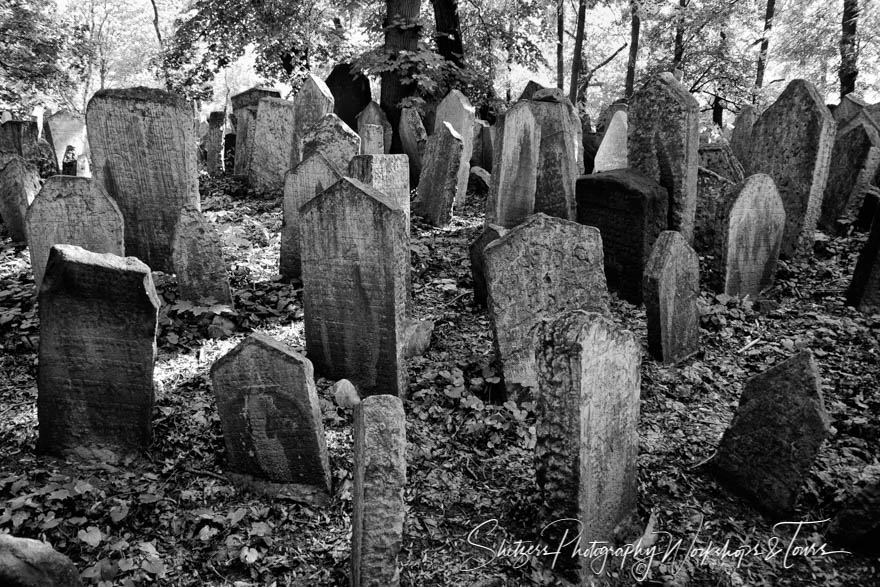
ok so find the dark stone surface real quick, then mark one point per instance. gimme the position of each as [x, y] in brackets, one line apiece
[490, 233]
[856, 160]
[864, 290]
[31, 563]
[351, 93]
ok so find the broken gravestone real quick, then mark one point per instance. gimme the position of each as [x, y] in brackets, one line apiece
[612, 150]
[741, 137]
[856, 157]
[274, 143]
[333, 139]
[457, 110]
[515, 167]
[491, 232]
[439, 180]
[244, 109]
[719, 157]
[351, 92]
[198, 259]
[413, 139]
[32, 563]
[864, 290]
[19, 185]
[271, 421]
[373, 114]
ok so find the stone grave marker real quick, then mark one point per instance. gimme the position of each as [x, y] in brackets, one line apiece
[671, 288]
[197, 253]
[351, 93]
[612, 150]
[481, 154]
[856, 158]
[719, 157]
[271, 421]
[849, 106]
[607, 116]
[388, 174]
[869, 208]
[864, 290]
[531, 88]
[311, 104]
[713, 191]
[491, 232]
[438, 183]
[767, 451]
[378, 497]
[333, 139]
[544, 266]
[629, 209]
[741, 137]
[214, 143]
[515, 168]
[244, 108]
[413, 139]
[141, 143]
[274, 150]
[68, 130]
[559, 153]
[354, 286]
[373, 114]
[19, 185]
[457, 110]
[98, 320]
[372, 139]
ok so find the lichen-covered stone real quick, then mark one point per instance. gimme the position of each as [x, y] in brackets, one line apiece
[514, 168]
[198, 259]
[856, 160]
[372, 139]
[559, 149]
[312, 103]
[413, 139]
[439, 180]
[741, 137]
[719, 157]
[457, 110]
[333, 139]
[19, 185]
[373, 114]
[274, 142]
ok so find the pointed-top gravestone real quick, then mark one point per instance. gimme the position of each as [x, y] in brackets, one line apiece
[274, 150]
[864, 290]
[198, 259]
[544, 266]
[271, 421]
[143, 154]
[19, 185]
[244, 108]
[856, 160]
[792, 143]
[351, 93]
[333, 139]
[612, 150]
[713, 193]
[663, 144]
[439, 180]
[413, 139]
[719, 157]
[312, 103]
[457, 110]
[559, 153]
[74, 211]
[849, 106]
[608, 115]
[354, 286]
[373, 114]
[671, 289]
[741, 138]
[515, 168]
[98, 320]
[531, 87]
[768, 450]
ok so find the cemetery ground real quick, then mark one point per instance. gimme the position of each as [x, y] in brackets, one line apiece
[173, 518]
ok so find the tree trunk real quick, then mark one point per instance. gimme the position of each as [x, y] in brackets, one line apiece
[848, 51]
[401, 34]
[560, 46]
[718, 111]
[678, 52]
[765, 41]
[448, 31]
[635, 26]
[577, 59]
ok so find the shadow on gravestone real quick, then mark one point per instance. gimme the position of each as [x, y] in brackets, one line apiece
[741, 137]
[312, 103]
[719, 157]
[560, 153]
[413, 139]
[713, 193]
[457, 110]
[490, 233]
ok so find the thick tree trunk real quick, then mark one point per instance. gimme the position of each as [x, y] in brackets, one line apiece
[448, 27]
[765, 41]
[635, 26]
[678, 51]
[401, 34]
[848, 52]
[560, 45]
[577, 59]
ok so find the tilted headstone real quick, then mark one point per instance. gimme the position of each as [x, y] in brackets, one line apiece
[244, 108]
[719, 157]
[491, 232]
[312, 103]
[25, 562]
[663, 144]
[333, 139]
[439, 180]
[544, 266]
[302, 183]
[72, 211]
[864, 290]
[612, 151]
[857, 524]
[531, 88]
[514, 168]
[629, 209]
[856, 161]
[379, 482]
[214, 143]
[713, 191]
[142, 142]
[767, 451]
[373, 114]
[849, 106]
[198, 259]
[68, 130]
[671, 288]
[607, 116]
[98, 320]
[741, 137]
[372, 139]
[351, 93]
[413, 139]
[792, 143]
[19, 185]
[274, 141]
[354, 277]
[271, 421]
[588, 410]
[559, 150]
[457, 110]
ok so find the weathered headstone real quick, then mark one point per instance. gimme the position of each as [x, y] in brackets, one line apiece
[792, 143]
[373, 114]
[198, 259]
[32, 563]
[274, 141]
[214, 143]
[514, 168]
[439, 180]
[302, 183]
[491, 232]
[544, 266]
[531, 88]
[244, 108]
[19, 137]
[713, 191]
[271, 421]
[671, 287]
[629, 209]
[588, 410]
[333, 139]
[612, 151]
[457, 110]
[767, 451]
[98, 319]
[372, 139]
[856, 160]
[481, 153]
[19, 185]
[73, 211]
[388, 174]
[142, 153]
[849, 106]
[741, 137]
[607, 116]
[351, 93]
[312, 103]
[719, 157]
[379, 481]
[864, 290]
[354, 286]
[413, 139]
[559, 153]
[67, 130]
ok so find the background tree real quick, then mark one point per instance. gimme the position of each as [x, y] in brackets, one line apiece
[848, 48]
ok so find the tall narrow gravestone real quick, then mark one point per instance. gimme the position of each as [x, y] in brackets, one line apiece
[388, 174]
[302, 183]
[214, 143]
[351, 92]
[864, 290]
[741, 137]
[72, 211]
[439, 180]
[792, 143]
[98, 319]
[750, 227]
[271, 421]
[244, 108]
[373, 114]
[413, 139]
[379, 482]
[856, 158]
[333, 139]
[671, 288]
[767, 451]
[372, 139]
[663, 144]
[354, 286]
[457, 110]
[142, 153]
[588, 409]
[198, 259]
[312, 103]
[612, 149]
[273, 145]
[544, 266]
[514, 168]
[19, 185]
[559, 149]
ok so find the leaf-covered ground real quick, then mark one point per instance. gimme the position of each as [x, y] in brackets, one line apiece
[172, 518]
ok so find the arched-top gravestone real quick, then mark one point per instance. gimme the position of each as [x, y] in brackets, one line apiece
[457, 110]
[312, 103]
[351, 92]
[143, 154]
[244, 109]
[719, 157]
[741, 137]
[19, 185]
[373, 114]
[856, 160]
[413, 139]
[72, 211]
[792, 143]
[333, 139]
[663, 144]
[198, 259]
[612, 150]
[514, 168]
[274, 143]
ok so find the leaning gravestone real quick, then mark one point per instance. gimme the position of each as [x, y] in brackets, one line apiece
[142, 153]
[713, 191]
[19, 185]
[671, 288]
[244, 108]
[312, 103]
[491, 232]
[73, 211]
[439, 180]
[544, 266]
[214, 143]
[32, 563]
[333, 139]
[719, 157]
[750, 228]
[302, 183]
[612, 150]
[373, 114]
[864, 290]
[413, 139]
[457, 110]
[379, 482]
[559, 153]
[856, 157]
[198, 259]
[271, 421]
[741, 137]
[372, 139]
[67, 130]
[849, 106]
[351, 93]
[98, 319]
[629, 209]
[515, 168]
[663, 144]
[273, 144]
[792, 143]
[354, 277]
[588, 410]
[767, 451]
